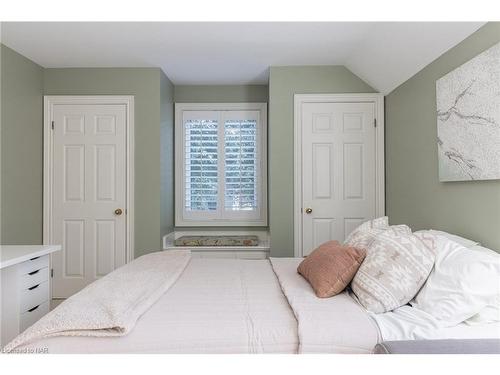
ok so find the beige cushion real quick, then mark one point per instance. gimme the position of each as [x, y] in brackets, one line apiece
[222, 240]
[331, 267]
[363, 235]
[395, 268]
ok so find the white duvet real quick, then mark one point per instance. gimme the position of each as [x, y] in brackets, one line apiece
[256, 306]
[215, 306]
[325, 325]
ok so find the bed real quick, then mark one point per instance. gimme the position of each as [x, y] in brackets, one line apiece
[248, 306]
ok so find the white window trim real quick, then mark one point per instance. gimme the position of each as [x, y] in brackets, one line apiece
[180, 219]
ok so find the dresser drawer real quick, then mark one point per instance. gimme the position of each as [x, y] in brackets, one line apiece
[29, 317]
[37, 295]
[33, 264]
[33, 278]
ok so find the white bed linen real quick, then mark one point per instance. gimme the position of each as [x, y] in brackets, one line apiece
[216, 306]
[238, 306]
[325, 325]
[410, 323]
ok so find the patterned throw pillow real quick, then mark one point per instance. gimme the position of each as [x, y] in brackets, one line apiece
[395, 268]
[363, 236]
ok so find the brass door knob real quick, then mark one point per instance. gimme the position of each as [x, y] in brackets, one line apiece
[118, 211]
[309, 210]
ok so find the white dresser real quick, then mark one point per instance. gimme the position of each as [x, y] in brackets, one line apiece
[25, 287]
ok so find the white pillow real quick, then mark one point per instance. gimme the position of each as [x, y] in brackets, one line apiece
[491, 313]
[460, 240]
[462, 283]
[486, 250]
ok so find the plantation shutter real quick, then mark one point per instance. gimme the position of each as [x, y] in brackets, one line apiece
[222, 166]
[201, 170]
[241, 161]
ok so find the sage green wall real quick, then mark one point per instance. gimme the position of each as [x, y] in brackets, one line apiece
[221, 93]
[144, 84]
[284, 82]
[21, 149]
[167, 155]
[414, 195]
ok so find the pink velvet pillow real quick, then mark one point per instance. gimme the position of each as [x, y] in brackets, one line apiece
[331, 267]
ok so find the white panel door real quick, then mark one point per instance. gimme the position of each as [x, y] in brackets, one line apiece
[89, 194]
[338, 170]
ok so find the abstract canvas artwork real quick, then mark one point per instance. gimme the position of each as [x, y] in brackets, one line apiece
[468, 119]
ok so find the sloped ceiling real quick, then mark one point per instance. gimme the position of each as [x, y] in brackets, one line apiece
[384, 54]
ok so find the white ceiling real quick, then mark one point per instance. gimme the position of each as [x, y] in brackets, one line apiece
[384, 54]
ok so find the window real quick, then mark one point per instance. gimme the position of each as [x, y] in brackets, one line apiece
[221, 164]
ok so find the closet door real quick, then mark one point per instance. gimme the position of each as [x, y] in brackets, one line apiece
[338, 170]
[89, 193]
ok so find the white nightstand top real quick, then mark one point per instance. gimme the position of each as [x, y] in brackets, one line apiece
[14, 254]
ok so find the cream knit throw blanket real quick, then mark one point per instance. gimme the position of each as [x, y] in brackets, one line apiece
[111, 305]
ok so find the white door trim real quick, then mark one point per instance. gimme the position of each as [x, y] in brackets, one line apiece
[49, 102]
[299, 100]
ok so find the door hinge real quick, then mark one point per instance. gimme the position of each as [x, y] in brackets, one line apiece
[52, 272]
[52, 125]
[375, 122]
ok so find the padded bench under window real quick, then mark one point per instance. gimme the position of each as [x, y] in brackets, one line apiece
[227, 245]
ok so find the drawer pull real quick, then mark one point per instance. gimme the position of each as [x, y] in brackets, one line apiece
[34, 308]
[33, 273]
[35, 258]
[34, 287]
